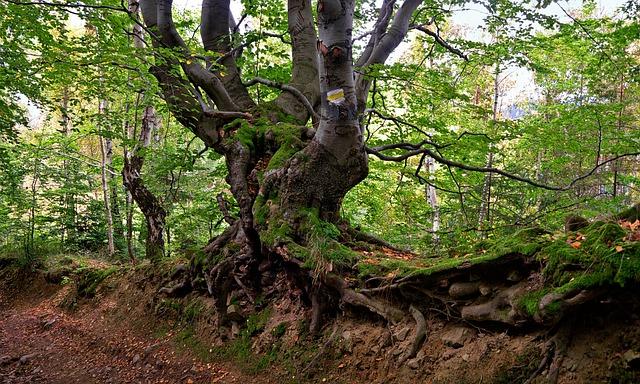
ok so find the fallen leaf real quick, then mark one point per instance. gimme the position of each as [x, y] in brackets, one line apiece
[576, 244]
[618, 248]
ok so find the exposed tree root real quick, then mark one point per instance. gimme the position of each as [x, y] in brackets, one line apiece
[419, 337]
[553, 306]
[316, 311]
[554, 353]
[371, 239]
[501, 308]
[357, 299]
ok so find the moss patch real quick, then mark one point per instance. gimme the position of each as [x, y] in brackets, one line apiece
[89, 279]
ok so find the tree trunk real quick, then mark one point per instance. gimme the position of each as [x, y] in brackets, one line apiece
[432, 198]
[105, 186]
[287, 179]
[150, 206]
[485, 200]
[152, 209]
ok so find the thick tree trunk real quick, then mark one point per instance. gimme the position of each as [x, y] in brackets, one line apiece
[288, 180]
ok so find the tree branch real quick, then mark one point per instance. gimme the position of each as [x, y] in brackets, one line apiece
[440, 159]
[384, 16]
[440, 41]
[300, 97]
[304, 73]
[214, 31]
[381, 51]
[69, 5]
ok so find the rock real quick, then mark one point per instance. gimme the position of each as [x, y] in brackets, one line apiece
[235, 329]
[48, 324]
[457, 337]
[234, 314]
[402, 334]
[150, 349]
[465, 357]
[413, 363]
[26, 358]
[135, 359]
[461, 290]
[485, 289]
[386, 340]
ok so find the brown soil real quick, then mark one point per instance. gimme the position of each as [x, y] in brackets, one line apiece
[120, 336]
[40, 342]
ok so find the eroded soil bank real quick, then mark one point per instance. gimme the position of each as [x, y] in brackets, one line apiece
[111, 326]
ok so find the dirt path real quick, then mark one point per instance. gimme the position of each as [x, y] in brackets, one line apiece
[40, 343]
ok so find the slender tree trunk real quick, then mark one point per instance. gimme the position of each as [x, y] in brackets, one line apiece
[485, 200]
[113, 189]
[616, 163]
[30, 243]
[148, 203]
[69, 215]
[105, 186]
[432, 198]
[129, 207]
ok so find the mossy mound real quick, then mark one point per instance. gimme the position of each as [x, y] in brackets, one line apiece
[598, 255]
[524, 242]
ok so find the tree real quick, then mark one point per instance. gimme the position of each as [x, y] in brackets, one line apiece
[288, 179]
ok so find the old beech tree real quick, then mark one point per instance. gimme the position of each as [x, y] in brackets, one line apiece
[290, 161]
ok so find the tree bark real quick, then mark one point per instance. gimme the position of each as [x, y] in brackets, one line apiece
[151, 208]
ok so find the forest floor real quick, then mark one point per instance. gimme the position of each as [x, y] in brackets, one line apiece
[46, 336]
[42, 341]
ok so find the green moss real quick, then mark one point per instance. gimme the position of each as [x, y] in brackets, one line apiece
[525, 241]
[592, 260]
[261, 209]
[276, 233]
[530, 302]
[89, 279]
[288, 139]
[279, 330]
[245, 132]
